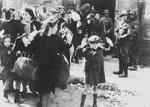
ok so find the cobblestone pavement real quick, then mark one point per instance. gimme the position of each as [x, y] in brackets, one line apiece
[116, 92]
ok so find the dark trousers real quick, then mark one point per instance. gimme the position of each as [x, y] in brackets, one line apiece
[76, 42]
[123, 55]
[8, 83]
[133, 57]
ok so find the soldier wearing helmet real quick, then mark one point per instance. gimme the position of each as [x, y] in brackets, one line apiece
[123, 33]
[108, 26]
[134, 23]
[124, 15]
[132, 15]
[107, 23]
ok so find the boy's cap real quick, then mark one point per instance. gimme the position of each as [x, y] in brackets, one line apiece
[94, 39]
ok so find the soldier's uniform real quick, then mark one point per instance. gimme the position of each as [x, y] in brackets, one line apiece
[124, 34]
[133, 57]
[108, 25]
[108, 29]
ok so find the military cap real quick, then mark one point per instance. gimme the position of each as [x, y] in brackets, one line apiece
[94, 39]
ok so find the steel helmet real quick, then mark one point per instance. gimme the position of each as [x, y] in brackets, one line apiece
[124, 13]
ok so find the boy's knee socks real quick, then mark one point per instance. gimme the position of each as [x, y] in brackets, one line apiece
[83, 100]
[94, 100]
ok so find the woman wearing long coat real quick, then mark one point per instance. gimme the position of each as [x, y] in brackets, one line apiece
[47, 49]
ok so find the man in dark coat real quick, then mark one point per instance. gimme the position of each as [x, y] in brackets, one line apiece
[95, 26]
[12, 26]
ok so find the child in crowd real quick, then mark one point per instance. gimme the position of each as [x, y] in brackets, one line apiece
[5, 59]
[94, 67]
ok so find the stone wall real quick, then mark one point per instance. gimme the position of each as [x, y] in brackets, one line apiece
[126, 4]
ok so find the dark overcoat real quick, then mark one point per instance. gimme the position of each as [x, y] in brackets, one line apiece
[47, 51]
[94, 66]
[13, 27]
[5, 57]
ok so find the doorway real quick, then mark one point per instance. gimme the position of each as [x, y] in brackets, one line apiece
[101, 5]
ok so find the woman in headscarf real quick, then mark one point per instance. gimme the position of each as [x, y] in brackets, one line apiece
[48, 47]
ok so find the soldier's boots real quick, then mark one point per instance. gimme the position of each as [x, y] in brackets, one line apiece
[94, 100]
[118, 72]
[134, 68]
[83, 97]
[17, 98]
[124, 75]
